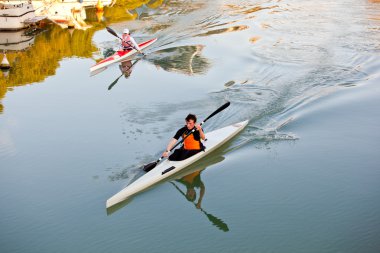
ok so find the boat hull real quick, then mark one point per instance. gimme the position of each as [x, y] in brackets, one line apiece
[14, 16]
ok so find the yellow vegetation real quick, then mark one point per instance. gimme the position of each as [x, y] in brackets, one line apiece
[42, 59]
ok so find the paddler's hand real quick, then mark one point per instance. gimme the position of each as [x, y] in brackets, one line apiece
[199, 128]
[165, 154]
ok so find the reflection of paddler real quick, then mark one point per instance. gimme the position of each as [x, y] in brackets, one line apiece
[191, 182]
[126, 68]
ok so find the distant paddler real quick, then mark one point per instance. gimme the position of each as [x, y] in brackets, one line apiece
[124, 54]
[128, 42]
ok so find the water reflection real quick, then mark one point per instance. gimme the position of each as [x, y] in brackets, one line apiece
[124, 10]
[219, 223]
[126, 70]
[34, 65]
[224, 30]
[185, 60]
[16, 40]
[247, 8]
[191, 182]
[11, 41]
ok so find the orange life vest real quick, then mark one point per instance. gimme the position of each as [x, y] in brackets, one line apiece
[191, 143]
[126, 40]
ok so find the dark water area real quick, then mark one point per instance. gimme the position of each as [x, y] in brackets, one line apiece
[302, 177]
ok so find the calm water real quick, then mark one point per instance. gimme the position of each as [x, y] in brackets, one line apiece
[302, 177]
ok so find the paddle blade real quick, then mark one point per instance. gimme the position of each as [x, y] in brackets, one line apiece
[114, 82]
[150, 166]
[111, 31]
[217, 222]
[218, 111]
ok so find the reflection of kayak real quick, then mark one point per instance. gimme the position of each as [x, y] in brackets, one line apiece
[167, 168]
[120, 55]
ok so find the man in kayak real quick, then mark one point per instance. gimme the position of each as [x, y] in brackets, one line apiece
[191, 145]
[128, 42]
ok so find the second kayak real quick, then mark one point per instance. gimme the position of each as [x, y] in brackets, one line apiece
[214, 140]
[120, 56]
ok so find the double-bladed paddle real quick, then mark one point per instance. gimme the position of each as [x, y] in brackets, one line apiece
[111, 31]
[151, 165]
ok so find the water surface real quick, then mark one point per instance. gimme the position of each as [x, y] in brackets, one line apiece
[302, 177]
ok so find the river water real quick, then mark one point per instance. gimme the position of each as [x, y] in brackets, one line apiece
[302, 177]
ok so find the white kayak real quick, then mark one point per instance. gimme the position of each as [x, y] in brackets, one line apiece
[120, 56]
[165, 169]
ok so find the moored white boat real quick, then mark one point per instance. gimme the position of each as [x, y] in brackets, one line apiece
[65, 13]
[165, 169]
[15, 16]
[41, 5]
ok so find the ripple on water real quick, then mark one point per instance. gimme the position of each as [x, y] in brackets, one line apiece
[7, 146]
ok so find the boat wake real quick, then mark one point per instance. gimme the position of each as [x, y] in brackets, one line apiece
[277, 57]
